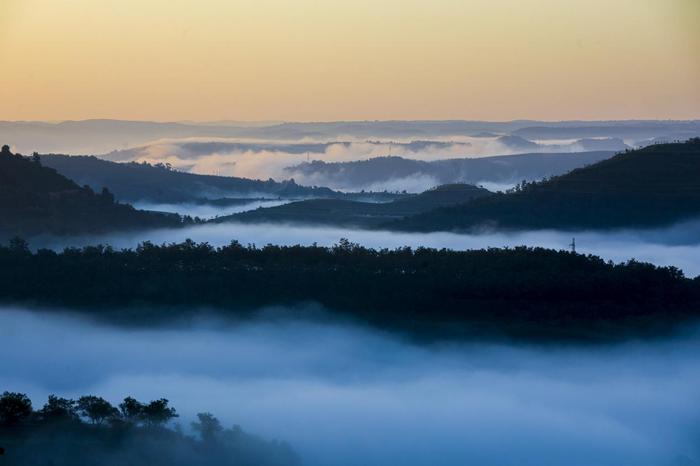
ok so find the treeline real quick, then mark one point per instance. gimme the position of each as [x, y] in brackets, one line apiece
[524, 292]
[91, 431]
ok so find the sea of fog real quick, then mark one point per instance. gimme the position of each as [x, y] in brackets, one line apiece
[207, 211]
[678, 245]
[342, 395]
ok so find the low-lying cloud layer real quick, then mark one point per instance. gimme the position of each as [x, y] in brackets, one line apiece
[266, 159]
[678, 245]
[204, 210]
[344, 396]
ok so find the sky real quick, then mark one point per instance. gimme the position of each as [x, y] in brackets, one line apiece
[314, 60]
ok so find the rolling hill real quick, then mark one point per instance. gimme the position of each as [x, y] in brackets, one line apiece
[359, 214]
[653, 186]
[504, 170]
[132, 182]
[37, 200]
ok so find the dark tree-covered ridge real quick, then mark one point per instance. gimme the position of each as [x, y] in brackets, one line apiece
[37, 200]
[657, 185]
[359, 214]
[526, 292]
[159, 183]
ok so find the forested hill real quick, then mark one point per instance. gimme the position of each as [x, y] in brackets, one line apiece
[132, 181]
[37, 200]
[657, 185]
[522, 292]
[360, 214]
[502, 169]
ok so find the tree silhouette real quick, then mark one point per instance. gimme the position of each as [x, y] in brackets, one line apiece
[58, 410]
[14, 408]
[157, 412]
[96, 409]
[131, 410]
[19, 246]
[107, 195]
[208, 427]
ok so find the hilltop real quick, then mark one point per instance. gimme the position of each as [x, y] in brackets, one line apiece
[648, 187]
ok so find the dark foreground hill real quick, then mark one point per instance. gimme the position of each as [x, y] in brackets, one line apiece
[522, 292]
[359, 214]
[90, 431]
[36, 200]
[648, 187]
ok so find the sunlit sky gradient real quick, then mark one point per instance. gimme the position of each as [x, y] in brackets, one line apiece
[349, 59]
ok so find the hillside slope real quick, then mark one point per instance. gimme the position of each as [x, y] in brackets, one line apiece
[142, 182]
[37, 200]
[652, 186]
[360, 214]
[500, 170]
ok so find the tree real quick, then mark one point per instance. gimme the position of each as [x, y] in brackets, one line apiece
[158, 412]
[14, 408]
[208, 427]
[5, 150]
[58, 410]
[19, 246]
[96, 409]
[107, 195]
[131, 409]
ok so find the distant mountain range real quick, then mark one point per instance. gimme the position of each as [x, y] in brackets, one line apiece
[102, 136]
[37, 200]
[656, 185]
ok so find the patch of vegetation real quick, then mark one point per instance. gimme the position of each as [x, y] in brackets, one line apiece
[91, 431]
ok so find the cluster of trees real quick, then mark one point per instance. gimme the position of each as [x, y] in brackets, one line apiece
[521, 291]
[16, 409]
[90, 431]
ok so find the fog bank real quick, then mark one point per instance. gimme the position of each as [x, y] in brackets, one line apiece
[263, 159]
[205, 210]
[345, 396]
[677, 245]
